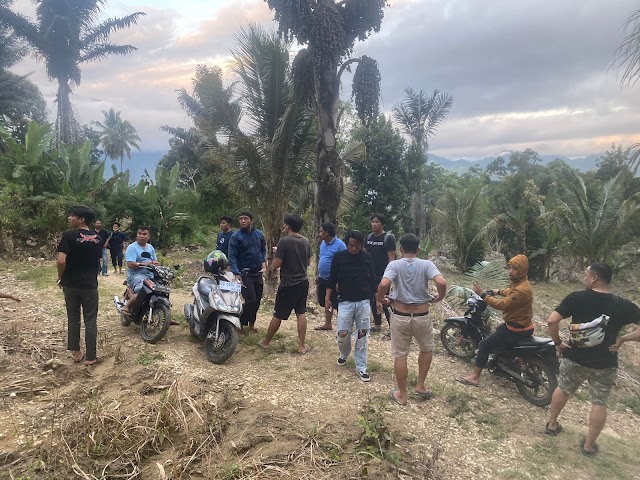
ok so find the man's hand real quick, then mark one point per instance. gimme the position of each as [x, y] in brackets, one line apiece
[379, 307]
[477, 288]
[616, 346]
[436, 299]
[562, 348]
[327, 303]
[386, 300]
[155, 262]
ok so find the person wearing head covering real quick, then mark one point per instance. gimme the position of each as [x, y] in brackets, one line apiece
[516, 305]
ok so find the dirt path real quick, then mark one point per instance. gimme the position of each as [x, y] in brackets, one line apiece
[272, 414]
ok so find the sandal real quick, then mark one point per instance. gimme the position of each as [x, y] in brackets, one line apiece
[552, 432]
[392, 397]
[587, 452]
[464, 381]
[424, 396]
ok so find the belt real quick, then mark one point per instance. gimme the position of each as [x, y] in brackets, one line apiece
[417, 314]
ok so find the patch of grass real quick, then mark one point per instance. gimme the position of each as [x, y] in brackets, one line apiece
[251, 339]
[459, 401]
[147, 357]
[375, 439]
[231, 472]
[632, 402]
[41, 276]
[373, 366]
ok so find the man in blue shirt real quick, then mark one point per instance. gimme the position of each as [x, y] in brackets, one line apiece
[139, 254]
[328, 248]
[247, 255]
[224, 235]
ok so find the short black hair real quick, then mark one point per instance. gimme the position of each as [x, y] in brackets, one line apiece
[602, 271]
[294, 221]
[246, 213]
[144, 227]
[227, 219]
[380, 217]
[357, 235]
[330, 228]
[116, 223]
[410, 243]
[82, 211]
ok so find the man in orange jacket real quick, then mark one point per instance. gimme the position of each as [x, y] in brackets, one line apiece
[517, 313]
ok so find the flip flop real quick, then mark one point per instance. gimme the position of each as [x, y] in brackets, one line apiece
[78, 360]
[263, 347]
[587, 452]
[552, 432]
[322, 327]
[307, 348]
[466, 382]
[423, 396]
[393, 398]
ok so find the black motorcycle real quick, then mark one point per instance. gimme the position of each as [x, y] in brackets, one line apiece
[153, 311]
[532, 364]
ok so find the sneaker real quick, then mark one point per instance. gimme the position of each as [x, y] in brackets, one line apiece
[342, 361]
[364, 376]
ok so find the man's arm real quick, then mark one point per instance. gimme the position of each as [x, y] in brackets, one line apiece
[276, 263]
[441, 286]
[233, 255]
[263, 248]
[554, 332]
[629, 337]
[383, 289]
[61, 264]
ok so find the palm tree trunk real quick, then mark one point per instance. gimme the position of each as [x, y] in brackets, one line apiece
[65, 119]
[329, 174]
[121, 161]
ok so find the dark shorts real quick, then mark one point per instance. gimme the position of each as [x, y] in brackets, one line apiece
[291, 298]
[321, 291]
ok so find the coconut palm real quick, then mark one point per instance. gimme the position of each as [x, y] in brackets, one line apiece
[117, 136]
[66, 34]
[593, 229]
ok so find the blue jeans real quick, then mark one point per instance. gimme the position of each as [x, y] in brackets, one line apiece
[105, 261]
[358, 313]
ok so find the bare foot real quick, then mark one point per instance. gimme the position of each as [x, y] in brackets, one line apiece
[88, 363]
[303, 350]
[263, 345]
[77, 356]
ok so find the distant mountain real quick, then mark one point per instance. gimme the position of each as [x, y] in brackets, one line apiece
[137, 165]
[462, 165]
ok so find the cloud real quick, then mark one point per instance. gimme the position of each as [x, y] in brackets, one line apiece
[523, 74]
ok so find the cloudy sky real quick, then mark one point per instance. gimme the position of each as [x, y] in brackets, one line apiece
[523, 73]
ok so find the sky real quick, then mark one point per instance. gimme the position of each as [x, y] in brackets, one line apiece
[523, 74]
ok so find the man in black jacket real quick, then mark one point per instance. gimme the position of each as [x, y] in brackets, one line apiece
[352, 274]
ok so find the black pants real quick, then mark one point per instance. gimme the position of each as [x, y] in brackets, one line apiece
[116, 257]
[87, 299]
[252, 293]
[501, 338]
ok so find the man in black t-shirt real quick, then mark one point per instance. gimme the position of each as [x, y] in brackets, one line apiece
[594, 357]
[293, 256]
[381, 246]
[116, 245]
[78, 264]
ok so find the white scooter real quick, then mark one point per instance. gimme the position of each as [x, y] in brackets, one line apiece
[214, 315]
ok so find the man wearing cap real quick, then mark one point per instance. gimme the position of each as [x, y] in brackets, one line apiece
[517, 313]
[247, 255]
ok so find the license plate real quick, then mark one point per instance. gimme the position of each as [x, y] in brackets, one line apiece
[230, 287]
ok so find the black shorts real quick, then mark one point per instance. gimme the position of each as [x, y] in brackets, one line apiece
[291, 298]
[321, 292]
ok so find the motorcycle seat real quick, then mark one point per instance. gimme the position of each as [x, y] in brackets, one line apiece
[533, 341]
[204, 286]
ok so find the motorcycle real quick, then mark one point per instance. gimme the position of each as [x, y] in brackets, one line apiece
[214, 315]
[153, 312]
[532, 364]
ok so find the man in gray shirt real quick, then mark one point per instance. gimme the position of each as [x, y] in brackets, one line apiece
[410, 319]
[293, 256]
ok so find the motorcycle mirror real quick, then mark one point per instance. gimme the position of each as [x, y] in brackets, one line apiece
[145, 255]
[177, 266]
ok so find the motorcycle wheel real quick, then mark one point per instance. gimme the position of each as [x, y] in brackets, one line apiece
[540, 382]
[219, 351]
[456, 343]
[154, 328]
[125, 321]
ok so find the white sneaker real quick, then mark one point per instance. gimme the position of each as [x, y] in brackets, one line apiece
[364, 376]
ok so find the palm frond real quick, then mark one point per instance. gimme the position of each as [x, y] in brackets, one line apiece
[103, 31]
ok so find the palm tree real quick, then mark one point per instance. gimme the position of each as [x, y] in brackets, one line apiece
[459, 219]
[270, 164]
[595, 228]
[20, 99]
[65, 35]
[117, 136]
[420, 115]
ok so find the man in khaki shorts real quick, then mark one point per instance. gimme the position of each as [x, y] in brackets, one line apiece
[410, 319]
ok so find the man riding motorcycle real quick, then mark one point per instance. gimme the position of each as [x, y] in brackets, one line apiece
[517, 308]
[139, 254]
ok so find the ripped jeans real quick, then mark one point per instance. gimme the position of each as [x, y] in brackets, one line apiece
[358, 313]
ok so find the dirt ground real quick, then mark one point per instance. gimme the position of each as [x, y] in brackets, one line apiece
[164, 412]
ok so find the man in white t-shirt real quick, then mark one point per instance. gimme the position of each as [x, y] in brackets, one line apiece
[410, 277]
